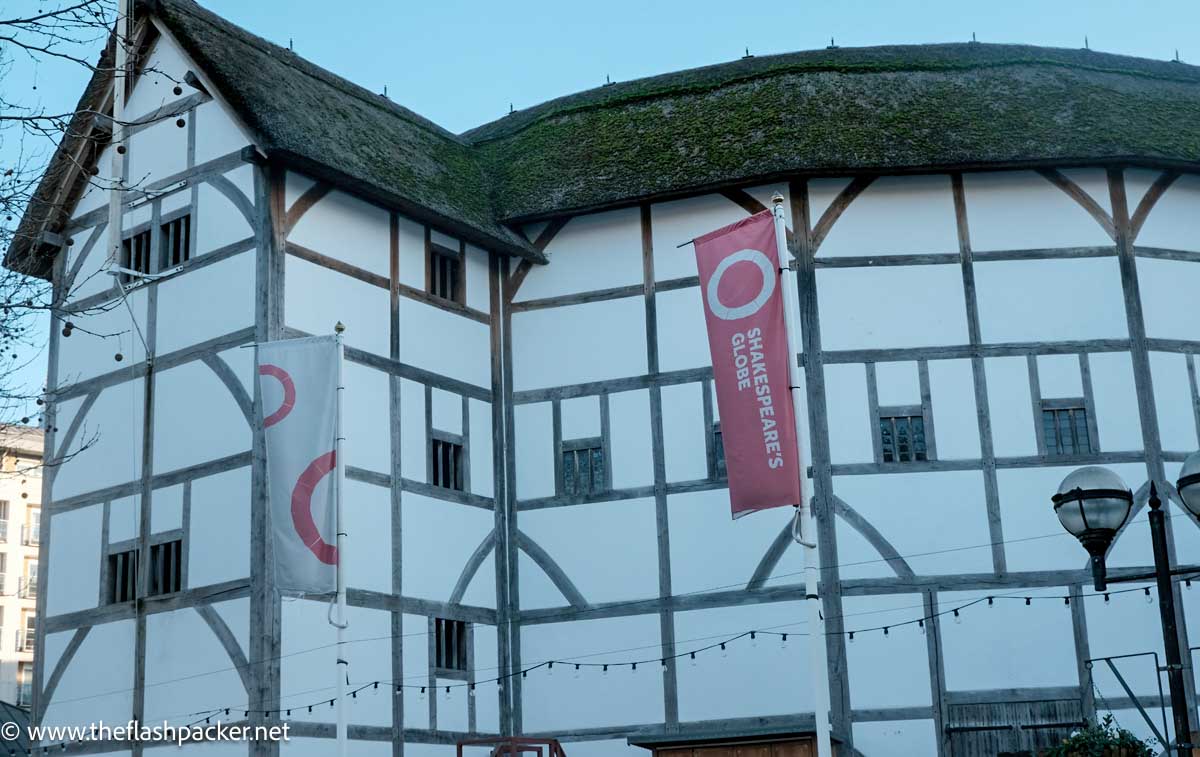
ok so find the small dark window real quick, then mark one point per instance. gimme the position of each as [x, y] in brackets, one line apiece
[166, 574]
[450, 642]
[720, 470]
[122, 576]
[583, 467]
[176, 242]
[447, 464]
[1065, 430]
[135, 255]
[903, 438]
[445, 274]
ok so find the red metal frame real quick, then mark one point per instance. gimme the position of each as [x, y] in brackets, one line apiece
[512, 746]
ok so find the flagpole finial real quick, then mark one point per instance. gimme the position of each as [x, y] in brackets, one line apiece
[777, 198]
[339, 327]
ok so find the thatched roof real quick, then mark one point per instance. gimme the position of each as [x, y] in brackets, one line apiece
[824, 112]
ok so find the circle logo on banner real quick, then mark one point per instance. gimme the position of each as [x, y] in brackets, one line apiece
[302, 518]
[289, 393]
[723, 311]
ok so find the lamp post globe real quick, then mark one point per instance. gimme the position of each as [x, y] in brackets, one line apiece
[1189, 483]
[1092, 504]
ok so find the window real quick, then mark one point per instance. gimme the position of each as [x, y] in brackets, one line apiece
[27, 589]
[718, 445]
[445, 456]
[24, 684]
[902, 436]
[32, 529]
[1065, 427]
[583, 467]
[3, 520]
[27, 633]
[445, 273]
[166, 575]
[3, 574]
[450, 640]
[122, 576]
[135, 255]
[176, 236]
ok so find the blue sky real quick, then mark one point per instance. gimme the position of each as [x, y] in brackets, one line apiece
[462, 62]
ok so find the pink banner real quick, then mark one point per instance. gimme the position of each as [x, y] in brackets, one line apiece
[743, 307]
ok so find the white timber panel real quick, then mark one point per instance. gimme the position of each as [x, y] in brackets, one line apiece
[979, 650]
[439, 537]
[561, 701]
[750, 668]
[1169, 304]
[443, 342]
[308, 662]
[579, 538]
[764, 194]
[368, 518]
[821, 194]
[368, 429]
[99, 336]
[415, 660]
[1094, 182]
[1034, 539]
[1020, 210]
[481, 591]
[581, 417]
[217, 133]
[447, 411]
[124, 518]
[236, 614]
[896, 215]
[157, 151]
[219, 539]
[164, 67]
[316, 298]
[1010, 406]
[673, 223]
[478, 279]
[712, 552]
[898, 383]
[1126, 624]
[955, 416]
[1050, 300]
[633, 460]
[178, 684]
[537, 590]
[90, 278]
[684, 432]
[413, 452]
[196, 419]
[891, 670]
[111, 439]
[348, 229]
[96, 194]
[1059, 376]
[479, 418]
[577, 343]
[86, 693]
[895, 737]
[910, 510]
[857, 557]
[894, 306]
[1117, 419]
[533, 428]
[166, 509]
[850, 413]
[1172, 397]
[206, 303]
[218, 221]
[294, 185]
[1172, 223]
[411, 240]
[74, 584]
[682, 334]
[596, 251]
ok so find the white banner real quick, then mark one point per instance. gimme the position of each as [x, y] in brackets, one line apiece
[299, 383]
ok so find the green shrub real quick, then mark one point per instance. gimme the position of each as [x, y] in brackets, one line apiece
[1103, 739]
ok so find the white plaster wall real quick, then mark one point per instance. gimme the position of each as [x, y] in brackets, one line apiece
[673, 223]
[368, 518]
[112, 437]
[979, 651]
[439, 537]
[217, 132]
[896, 215]
[426, 334]
[1018, 299]
[1018, 210]
[745, 680]
[1169, 304]
[821, 194]
[910, 510]
[219, 540]
[207, 668]
[1172, 397]
[632, 463]
[682, 334]
[626, 528]
[124, 518]
[1116, 401]
[316, 298]
[579, 343]
[294, 185]
[537, 590]
[156, 152]
[898, 383]
[614, 748]
[447, 411]
[955, 416]
[166, 509]
[1010, 406]
[596, 251]
[73, 582]
[413, 452]
[90, 277]
[196, 418]
[97, 685]
[892, 670]
[857, 557]
[684, 432]
[1126, 624]
[164, 67]
[560, 701]
[346, 228]
[849, 412]
[99, 335]
[479, 415]
[1034, 539]
[580, 417]
[313, 747]
[478, 279]
[864, 308]
[414, 656]
[1059, 376]
[533, 455]
[365, 417]
[1172, 223]
[411, 238]
[218, 221]
[895, 737]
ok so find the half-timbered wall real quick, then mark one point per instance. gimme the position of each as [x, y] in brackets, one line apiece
[973, 301]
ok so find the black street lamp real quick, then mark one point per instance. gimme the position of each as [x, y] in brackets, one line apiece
[1093, 503]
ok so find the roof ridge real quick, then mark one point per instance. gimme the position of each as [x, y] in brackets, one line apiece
[530, 116]
[311, 69]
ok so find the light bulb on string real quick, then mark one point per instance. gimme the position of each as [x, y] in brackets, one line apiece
[692, 659]
[754, 639]
[1149, 599]
[1027, 601]
[422, 694]
[957, 617]
[604, 671]
[447, 697]
[885, 630]
[921, 627]
[550, 668]
[851, 637]
[471, 690]
[577, 671]
[991, 603]
[783, 642]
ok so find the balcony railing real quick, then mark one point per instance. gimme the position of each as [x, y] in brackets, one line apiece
[27, 587]
[25, 639]
[29, 534]
[4, 530]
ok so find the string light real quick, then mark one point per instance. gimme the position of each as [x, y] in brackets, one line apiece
[921, 626]
[958, 618]
[851, 639]
[991, 603]
[783, 642]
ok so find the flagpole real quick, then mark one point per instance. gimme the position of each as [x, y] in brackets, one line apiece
[807, 536]
[342, 666]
